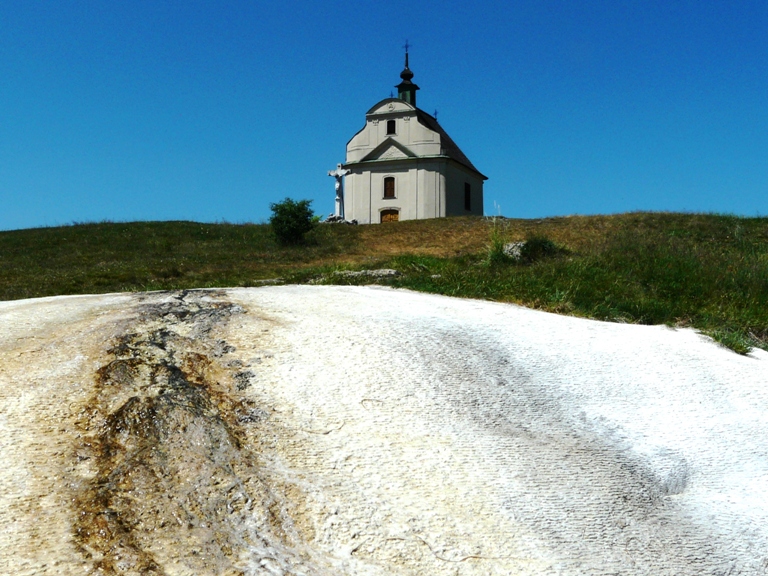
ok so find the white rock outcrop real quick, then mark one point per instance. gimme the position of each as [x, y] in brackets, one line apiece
[364, 430]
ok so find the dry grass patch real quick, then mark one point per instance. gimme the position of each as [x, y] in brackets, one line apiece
[702, 270]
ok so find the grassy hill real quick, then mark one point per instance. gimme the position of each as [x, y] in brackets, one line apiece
[700, 270]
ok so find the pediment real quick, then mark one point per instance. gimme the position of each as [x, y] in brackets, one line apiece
[389, 105]
[390, 149]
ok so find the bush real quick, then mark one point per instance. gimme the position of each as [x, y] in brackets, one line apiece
[537, 248]
[291, 220]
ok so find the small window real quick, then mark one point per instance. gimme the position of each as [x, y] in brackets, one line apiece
[390, 216]
[467, 196]
[391, 127]
[389, 187]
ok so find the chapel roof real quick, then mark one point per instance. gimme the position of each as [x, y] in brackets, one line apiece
[450, 148]
[407, 105]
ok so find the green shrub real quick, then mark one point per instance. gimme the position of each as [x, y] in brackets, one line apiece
[536, 248]
[291, 220]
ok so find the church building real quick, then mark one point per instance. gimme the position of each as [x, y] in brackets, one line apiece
[402, 165]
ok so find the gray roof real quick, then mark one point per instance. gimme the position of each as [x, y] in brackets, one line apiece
[449, 147]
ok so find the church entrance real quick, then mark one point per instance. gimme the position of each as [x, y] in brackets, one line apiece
[390, 216]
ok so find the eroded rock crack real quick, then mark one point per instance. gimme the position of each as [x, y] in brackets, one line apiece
[171, 487]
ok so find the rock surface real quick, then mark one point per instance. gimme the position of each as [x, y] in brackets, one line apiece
[365, 430]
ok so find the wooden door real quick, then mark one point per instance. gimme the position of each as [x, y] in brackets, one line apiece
[390, 216]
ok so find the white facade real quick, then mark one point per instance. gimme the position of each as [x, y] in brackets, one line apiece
[403, 166]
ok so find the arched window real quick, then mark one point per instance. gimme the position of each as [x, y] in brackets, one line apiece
[390, 216]
[389, 187]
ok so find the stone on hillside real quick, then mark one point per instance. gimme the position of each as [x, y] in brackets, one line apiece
[379, 273]
[514, 250]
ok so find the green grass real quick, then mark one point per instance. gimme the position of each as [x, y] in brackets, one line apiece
[710, 273]
[705, 271]
[140, 256]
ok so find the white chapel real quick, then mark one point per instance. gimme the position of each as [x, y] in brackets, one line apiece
[402, 165]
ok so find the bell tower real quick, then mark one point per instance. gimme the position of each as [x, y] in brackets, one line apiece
[406, 90]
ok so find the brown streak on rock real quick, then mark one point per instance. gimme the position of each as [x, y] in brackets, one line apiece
[166, 438]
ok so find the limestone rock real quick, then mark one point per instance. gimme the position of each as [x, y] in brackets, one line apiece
[331, 430]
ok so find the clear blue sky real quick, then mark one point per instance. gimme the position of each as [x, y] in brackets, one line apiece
[211, 110]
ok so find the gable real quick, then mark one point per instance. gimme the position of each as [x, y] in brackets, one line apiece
[392, 152]
[389, 105]
[388, 150]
